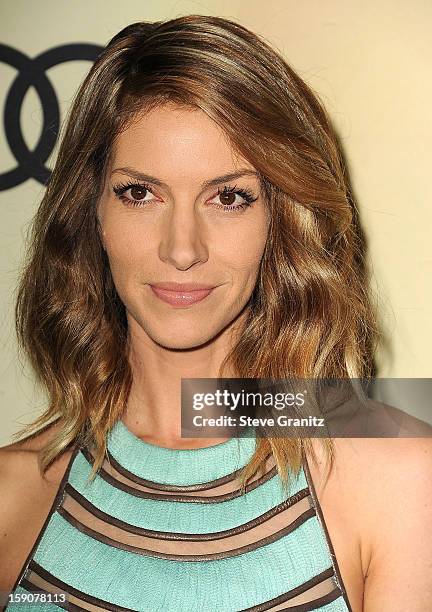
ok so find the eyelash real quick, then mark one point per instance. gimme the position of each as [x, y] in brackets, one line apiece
[247, 195]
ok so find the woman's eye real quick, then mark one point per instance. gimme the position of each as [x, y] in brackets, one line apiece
[134, 194]
[139, 193]
[230, 198]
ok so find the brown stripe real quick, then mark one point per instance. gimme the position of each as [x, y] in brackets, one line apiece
[166, 487]
[316, 582]
[32, 588]
[39, 579]
[316, 603]
[219, 490]
[81, 504]
[267, 528]
[320, 516]
[323, 589]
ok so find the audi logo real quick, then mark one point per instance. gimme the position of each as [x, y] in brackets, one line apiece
[32, 72]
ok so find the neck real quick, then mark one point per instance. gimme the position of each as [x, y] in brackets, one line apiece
[154, 405]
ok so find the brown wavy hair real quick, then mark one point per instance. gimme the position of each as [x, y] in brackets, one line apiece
[311, 312]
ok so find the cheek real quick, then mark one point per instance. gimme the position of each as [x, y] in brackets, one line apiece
[242, 249]
[126, 247]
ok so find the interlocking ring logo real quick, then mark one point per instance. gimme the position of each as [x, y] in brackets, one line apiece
[31, 72]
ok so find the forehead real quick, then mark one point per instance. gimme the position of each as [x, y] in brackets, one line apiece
[176, 141]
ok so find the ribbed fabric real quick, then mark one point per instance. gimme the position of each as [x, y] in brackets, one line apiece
[168, 530]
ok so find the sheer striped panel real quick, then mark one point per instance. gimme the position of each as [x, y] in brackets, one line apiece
[221, 489]
[310, 595]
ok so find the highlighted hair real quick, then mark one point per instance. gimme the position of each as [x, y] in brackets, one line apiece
[310, 315]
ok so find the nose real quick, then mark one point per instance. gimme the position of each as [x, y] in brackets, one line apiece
[182, 241]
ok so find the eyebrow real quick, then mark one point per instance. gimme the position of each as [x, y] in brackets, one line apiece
[224, 178]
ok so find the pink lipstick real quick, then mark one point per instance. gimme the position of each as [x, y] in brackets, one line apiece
[181, 294]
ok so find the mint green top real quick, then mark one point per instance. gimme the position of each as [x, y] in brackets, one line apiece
[163, 529]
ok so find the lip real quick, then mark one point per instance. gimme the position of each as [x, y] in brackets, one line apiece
[181, 294]
[181, 286]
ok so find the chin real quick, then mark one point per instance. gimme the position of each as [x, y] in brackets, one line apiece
[182, 340]
[181, 333]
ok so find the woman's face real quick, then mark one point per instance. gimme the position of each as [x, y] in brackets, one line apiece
[179, 206]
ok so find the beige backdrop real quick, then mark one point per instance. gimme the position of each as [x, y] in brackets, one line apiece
[369, 62]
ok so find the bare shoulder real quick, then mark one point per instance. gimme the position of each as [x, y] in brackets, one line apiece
[373, 471]
[398, 519]
[393, 454]
[27, 496]
[19, 462]
[378, 495]
[37, 441]
[400, 452]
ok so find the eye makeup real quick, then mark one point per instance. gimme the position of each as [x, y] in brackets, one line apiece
[227, 193]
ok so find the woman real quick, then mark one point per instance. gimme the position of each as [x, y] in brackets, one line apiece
[198, 223]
